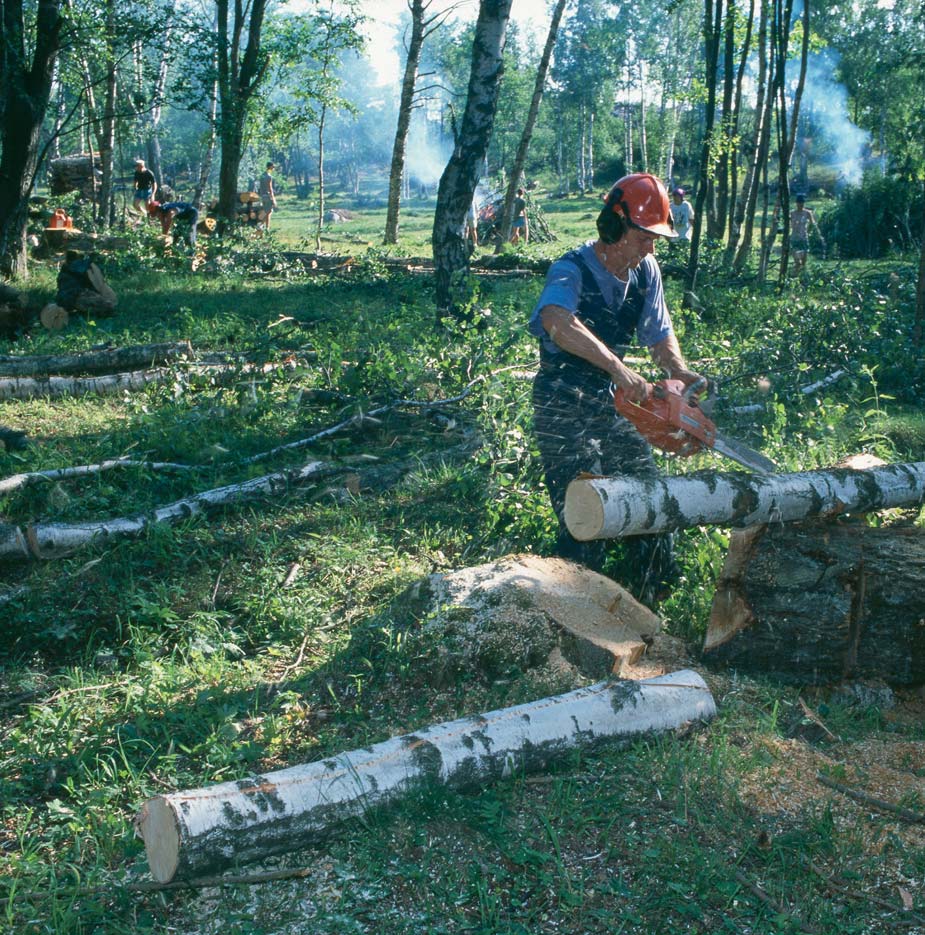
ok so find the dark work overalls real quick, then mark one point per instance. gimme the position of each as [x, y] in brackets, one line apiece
[578, 429]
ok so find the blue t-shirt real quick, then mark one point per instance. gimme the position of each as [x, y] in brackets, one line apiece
[563, 288]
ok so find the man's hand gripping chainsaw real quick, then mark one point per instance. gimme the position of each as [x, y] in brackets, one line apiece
[671, 420]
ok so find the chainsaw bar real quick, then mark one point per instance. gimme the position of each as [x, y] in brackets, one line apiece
[741, 454]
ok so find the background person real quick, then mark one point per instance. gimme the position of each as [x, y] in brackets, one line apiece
[521, 226]
[145, 188]
[682, 215]
[267, 193]
[597, 299]
[801, 220]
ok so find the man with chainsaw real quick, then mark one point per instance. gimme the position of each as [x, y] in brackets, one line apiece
[596, 301]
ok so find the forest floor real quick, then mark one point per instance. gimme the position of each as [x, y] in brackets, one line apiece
[258, 636]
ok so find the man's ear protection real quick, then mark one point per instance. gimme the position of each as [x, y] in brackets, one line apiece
[611, 222]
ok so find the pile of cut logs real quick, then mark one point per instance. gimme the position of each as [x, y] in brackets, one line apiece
[74, 173]
[248, 209]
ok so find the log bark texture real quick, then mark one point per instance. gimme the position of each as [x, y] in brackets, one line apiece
[202, 830]
[610, 507]
[819, 603]
[108, 360]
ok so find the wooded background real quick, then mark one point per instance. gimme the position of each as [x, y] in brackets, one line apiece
[742, 103]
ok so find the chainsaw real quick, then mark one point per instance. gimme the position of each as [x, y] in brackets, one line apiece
[671, 420]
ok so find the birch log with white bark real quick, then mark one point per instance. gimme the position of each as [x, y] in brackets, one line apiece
[108, 360]
[201, 830]
[111, 383]
[56, 540]
[610, 507]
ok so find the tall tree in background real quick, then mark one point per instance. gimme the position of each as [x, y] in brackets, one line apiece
[25, 87]
[336, 33]
[461, 175]
[423, 24]
[712, 32]
[242, 66]
[520, 157]
[742, 230]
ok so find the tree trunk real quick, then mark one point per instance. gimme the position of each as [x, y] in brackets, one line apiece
[820, 603]
[107, 137]
[520, 157]
[205, 167]
[460, 177]
[321, 121]
[790, 137]
[397, 170]
[712, 19]
[610, 507]
[920, 287]
[201, 830]
[25, 89]
[643, 136]
[238, 79]
[762, 136]
[106, 361]
[717, 218]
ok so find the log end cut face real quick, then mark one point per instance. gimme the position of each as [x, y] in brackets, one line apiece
[156, 825]
[584, 511]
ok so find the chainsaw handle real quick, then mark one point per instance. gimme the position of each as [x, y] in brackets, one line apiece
[691, 391]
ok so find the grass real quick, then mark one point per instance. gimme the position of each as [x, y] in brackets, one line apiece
[179, 658]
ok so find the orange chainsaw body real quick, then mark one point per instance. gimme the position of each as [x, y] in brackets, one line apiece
[668, 419]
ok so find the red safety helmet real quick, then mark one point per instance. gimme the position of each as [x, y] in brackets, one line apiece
[153, 207]
[642, 201]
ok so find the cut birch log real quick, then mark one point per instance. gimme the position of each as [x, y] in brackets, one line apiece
[48, 387]
[107, 360]
[108, 384]
[817, 603]
[610, 507]
[203, 830]
[53, 317]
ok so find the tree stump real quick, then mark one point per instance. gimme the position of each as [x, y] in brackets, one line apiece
[820, 603]
[53, 317]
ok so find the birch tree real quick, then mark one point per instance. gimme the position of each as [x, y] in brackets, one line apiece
[460, 177]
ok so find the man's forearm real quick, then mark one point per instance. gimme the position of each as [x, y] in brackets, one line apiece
[667, 354]
[569, 334]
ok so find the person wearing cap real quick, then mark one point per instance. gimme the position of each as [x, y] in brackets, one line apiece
[267, 194]
[597, 300]
[682, 214]
[801, 219]
[145, 188]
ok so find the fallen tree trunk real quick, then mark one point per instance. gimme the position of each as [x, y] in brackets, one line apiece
[58, 540]
[16, 481]
[108, 384]
[610, 507]
[101, 361]
[820, 603]
[202, 830]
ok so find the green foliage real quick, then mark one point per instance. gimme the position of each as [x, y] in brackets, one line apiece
[882, 218]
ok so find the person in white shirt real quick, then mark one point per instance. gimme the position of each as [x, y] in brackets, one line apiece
[682, 215]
